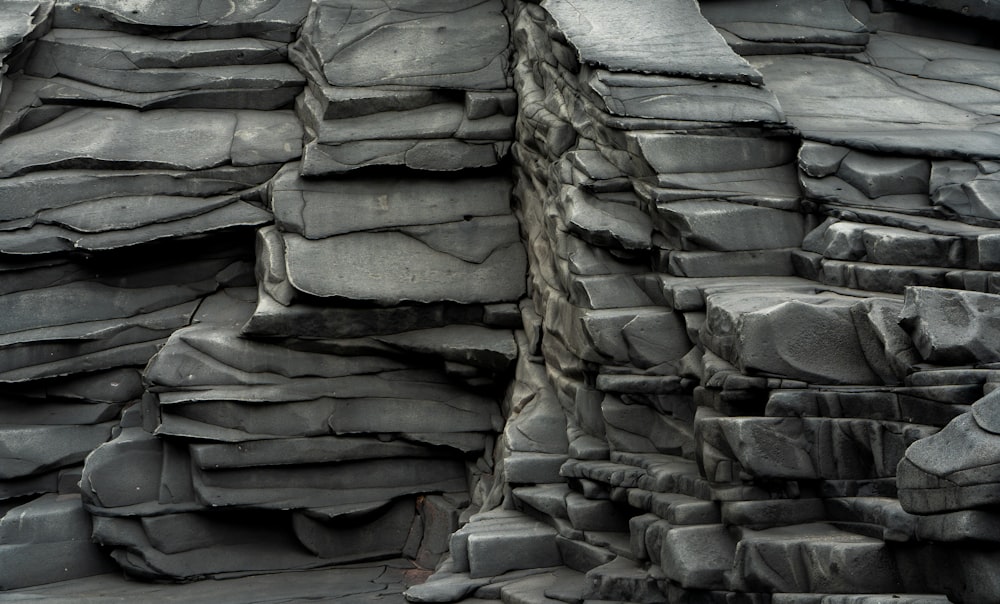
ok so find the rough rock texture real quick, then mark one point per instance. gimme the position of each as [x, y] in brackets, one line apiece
[477, 300]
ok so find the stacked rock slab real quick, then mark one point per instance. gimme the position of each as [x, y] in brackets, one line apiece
[352, 412]
[119, 227]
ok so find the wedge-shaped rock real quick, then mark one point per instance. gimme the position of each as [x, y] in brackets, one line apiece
[448, 44]
[120, 138]
[674, 40]
[188, 19]
[952, 327]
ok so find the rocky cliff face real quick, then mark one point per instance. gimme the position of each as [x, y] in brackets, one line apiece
[564, 301]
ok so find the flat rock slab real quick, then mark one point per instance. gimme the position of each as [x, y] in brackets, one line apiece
[119, 222]
[317, 209]
[924, 119]
[460, 45]
[172, 139]
[648, 37]
[46, 98]
[391, 268]
[187, 19]
[768, 27]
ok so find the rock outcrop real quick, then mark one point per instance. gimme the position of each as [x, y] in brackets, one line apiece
[558, 301]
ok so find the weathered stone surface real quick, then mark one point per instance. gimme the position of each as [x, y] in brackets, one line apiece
[817, 331]
[448, 46]
[955, 469]
[322, 208]
[597, 30]
[926, 117]
[119, 138]
[771, 28]
[776, 559]
[268, 19]
[951, 327]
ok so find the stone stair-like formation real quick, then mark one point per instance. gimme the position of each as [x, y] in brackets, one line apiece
[565, 301]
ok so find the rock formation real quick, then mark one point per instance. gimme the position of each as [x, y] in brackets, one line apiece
[559, 301]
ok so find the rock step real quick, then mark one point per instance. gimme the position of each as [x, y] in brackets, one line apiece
[48, 540]
[781, 560]
[499, 541]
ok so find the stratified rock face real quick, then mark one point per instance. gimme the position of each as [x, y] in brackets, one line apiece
[562, 300]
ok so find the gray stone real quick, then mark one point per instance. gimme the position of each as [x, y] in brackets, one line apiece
[915, 124]
[431, 32]
[951, 327]
[47, 540]
[390, 259]
[724, 226]
[596, 31]
[435, 155]
[317, 209]
[858, 564]
[377, 534]
[664, 97]
[955, 469]
[99, 138]
[772, 27]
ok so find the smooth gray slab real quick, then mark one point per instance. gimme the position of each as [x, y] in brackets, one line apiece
[648, 36]
[436, 44]
[166, 138]
[390, 268]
